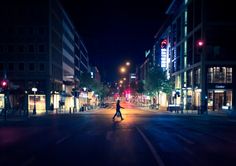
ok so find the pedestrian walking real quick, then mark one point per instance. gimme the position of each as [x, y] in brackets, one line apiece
[118, 113]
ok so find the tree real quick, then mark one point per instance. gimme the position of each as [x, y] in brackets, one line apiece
[90, 83]
[157, 81]
[140, 87]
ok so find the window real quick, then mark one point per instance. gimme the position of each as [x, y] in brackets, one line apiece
[41, 31]
[197, 73]
[31, 48]
[1, 67]
[1, 48]
[41, 48]
[10, 66]
[10, 48]
[41, 67]
[220, 75]
[31, 30]
[21, 67]
[31, 67]
[21, 48]
[229, 75]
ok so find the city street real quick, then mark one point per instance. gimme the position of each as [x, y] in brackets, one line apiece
[142, 138]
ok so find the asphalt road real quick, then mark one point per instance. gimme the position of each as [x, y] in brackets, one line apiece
[142, 138]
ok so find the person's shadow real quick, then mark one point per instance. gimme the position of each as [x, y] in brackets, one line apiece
[116, 124]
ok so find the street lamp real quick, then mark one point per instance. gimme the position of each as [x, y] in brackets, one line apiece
[127, 63]
[34, 90]
[122, 69]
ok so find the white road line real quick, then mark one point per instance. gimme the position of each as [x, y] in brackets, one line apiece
[62, 139]
[108, 135]
[29, 161]
[152, 149]
[188, 151]
[185, 139]
[232, 120]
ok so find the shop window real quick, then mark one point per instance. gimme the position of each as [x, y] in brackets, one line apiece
[219, 75]
[229, 75]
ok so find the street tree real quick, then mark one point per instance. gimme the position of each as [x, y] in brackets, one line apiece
[157, 81]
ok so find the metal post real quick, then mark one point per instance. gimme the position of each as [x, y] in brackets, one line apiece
[34, 110]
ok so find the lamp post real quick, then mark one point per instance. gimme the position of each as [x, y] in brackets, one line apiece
[201, 51]
[34, 90]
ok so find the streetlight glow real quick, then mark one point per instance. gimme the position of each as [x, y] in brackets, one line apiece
[127, 63]
[122, 69]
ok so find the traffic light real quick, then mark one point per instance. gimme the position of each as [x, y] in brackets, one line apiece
[4, 84]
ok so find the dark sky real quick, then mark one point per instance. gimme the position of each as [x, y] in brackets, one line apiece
[116, 30]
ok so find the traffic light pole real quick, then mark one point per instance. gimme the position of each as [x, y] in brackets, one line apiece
[5, 104]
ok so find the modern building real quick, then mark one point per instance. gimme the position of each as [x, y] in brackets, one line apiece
[40, 48]
[199, 53]
[95, 74]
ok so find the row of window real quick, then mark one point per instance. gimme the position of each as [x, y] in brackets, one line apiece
[24, 30]
[22, 67]
[23, 48]
[215, 75]
[220, 75]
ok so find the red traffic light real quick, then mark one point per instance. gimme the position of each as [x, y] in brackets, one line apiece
[3, 83]
[200, 43]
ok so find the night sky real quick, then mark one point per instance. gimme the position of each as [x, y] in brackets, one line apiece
[116, 30]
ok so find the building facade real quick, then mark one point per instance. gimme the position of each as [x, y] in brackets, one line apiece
[200, 53]
[39, 47]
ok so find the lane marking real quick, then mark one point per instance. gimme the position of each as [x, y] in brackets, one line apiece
[184, 139]
[62, 139]
[29, 161]
[109, 135]
[152, 149]
[188, 151]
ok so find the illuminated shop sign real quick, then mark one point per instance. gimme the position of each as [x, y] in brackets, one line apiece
[219, 86]
[163, 57]
[164, 53]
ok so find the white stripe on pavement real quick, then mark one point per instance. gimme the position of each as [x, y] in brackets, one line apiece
[62, 139]
[152, 149]
[184, 139]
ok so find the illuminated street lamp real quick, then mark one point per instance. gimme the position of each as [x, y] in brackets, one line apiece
[127, 63]
[121, 81]
[34, 90]
[122, 69]
[124, 79]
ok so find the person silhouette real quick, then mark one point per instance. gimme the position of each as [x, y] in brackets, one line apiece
[118, 113]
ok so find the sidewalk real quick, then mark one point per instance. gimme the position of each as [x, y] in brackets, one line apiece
[190, 112]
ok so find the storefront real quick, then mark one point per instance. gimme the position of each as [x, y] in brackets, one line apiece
[2, 104]
[220, 98]
[39, 101]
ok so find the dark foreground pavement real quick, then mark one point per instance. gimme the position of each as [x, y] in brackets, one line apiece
[143, 138]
